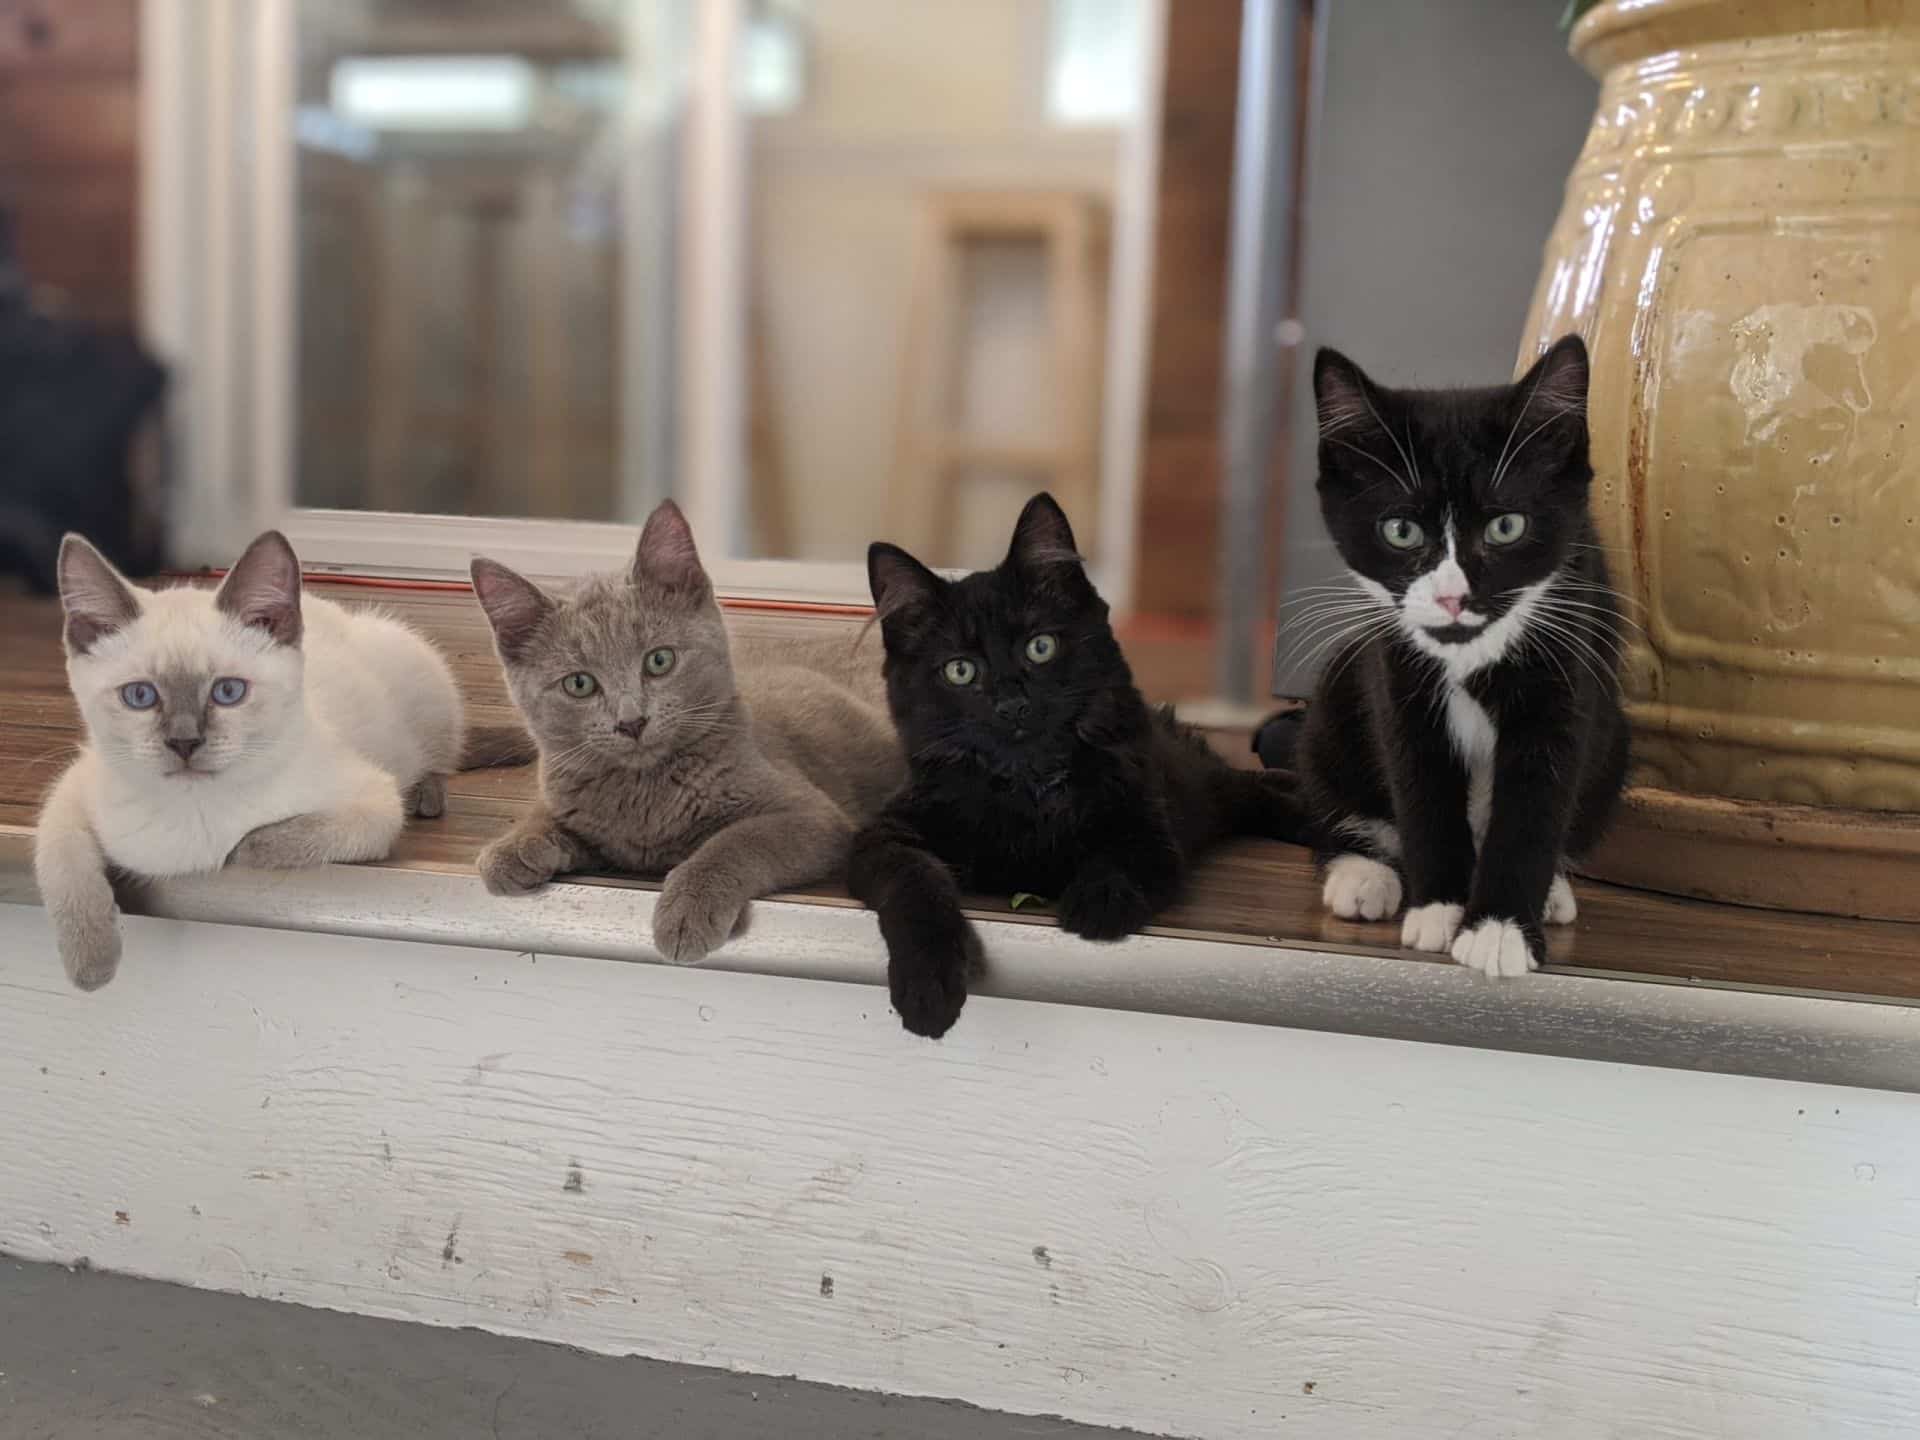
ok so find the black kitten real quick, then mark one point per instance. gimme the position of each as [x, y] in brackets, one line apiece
[1467, 733]
[1034, 765]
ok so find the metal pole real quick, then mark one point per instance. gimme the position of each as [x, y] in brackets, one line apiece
[1258, 263]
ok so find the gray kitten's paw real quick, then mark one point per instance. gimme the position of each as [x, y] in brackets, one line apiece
[89, 949]
[520, 864]
[695, 916]
[290, 844]
[427, 797]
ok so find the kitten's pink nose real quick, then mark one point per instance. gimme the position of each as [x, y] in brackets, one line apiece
[631, 728]
[1452, 604]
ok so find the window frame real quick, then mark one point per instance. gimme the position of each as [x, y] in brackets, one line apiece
[218, 302]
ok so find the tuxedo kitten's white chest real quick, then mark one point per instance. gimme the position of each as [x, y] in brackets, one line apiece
[1475, 737]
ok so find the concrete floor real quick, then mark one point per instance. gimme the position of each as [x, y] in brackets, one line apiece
[110, 1358]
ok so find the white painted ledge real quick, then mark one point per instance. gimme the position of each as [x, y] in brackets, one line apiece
[1230, 1231]
[1576, 1014]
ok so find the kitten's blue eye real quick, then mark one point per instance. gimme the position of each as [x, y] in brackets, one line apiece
[660, 661]
[1042, 648]
[1505, 529]
[139, 695]
[1401, 533]
[579, 684]
[960, 672]
[229, 691]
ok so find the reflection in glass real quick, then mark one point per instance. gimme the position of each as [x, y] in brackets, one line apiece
[494, 241]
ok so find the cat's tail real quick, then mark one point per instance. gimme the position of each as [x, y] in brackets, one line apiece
[490, 747]
[1260, 802]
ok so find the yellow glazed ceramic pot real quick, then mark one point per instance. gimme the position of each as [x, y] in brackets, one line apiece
[1740, 246]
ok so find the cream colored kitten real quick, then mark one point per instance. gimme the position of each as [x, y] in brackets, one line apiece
[246, 726]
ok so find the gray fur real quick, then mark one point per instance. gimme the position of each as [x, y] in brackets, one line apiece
[734, 790]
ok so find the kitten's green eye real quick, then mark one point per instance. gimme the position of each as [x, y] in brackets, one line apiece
[580, 685]
[660, 661]
[960, 672]
[1505, 529]
[1042, 648]
[1401, 533]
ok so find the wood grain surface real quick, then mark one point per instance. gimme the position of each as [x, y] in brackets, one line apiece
[1248, 890]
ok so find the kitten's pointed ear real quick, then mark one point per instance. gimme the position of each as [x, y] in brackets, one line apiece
[666, 555]
[1557, 383]
[898, 581]
[263, 588]
[515, 606]
[1042, 536]
[1341, 393]
[97, 601]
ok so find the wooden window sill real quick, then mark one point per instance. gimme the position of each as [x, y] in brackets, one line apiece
[1723, 988]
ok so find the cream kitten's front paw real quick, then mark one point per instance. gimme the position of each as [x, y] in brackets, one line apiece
[696, 915]
[89, 947]
[426, 797]
[520, 864]
[289, 844]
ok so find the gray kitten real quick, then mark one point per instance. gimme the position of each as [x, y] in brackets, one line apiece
[651, 759]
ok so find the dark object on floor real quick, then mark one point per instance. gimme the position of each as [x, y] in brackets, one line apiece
[1278, 737]
[72, 400]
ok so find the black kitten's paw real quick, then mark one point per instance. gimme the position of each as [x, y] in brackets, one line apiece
[927, 977]
[1103, 903]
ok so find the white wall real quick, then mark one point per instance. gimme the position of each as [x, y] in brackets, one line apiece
[903, 99]
[1181, 1225]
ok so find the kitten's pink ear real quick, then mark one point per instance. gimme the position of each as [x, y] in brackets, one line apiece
[898, 581]
[263, 588]
[96, 600]
[1341, 394]
[1557, 383]
[516, 607]
[1042, 536]
[666, 556]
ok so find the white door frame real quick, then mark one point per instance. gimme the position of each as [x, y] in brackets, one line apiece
[217, 265]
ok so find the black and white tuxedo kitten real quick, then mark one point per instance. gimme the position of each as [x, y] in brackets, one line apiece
[1466, 737]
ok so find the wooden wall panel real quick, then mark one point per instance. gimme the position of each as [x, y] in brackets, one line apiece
[1180, 477]
[69, 162]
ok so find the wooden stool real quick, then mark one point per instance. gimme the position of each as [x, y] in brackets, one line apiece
[931, 456]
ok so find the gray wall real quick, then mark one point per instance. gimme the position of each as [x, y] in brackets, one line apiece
[1440, 149]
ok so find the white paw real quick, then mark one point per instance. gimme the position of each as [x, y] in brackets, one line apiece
[1431, 927]
[1358, 888]
[1495, 947]
[1561, 909]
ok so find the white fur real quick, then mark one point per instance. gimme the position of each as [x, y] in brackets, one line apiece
[1421, 606]
[1431, 927]
[364, 704]
[1475, 739]
[1380, 834]
[1486, 648]
[1358, 887]
[1561, 907]
[335, 729]
[1495, 947]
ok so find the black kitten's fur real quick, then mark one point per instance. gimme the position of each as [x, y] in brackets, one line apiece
[1050, 777]
[1388, 740]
